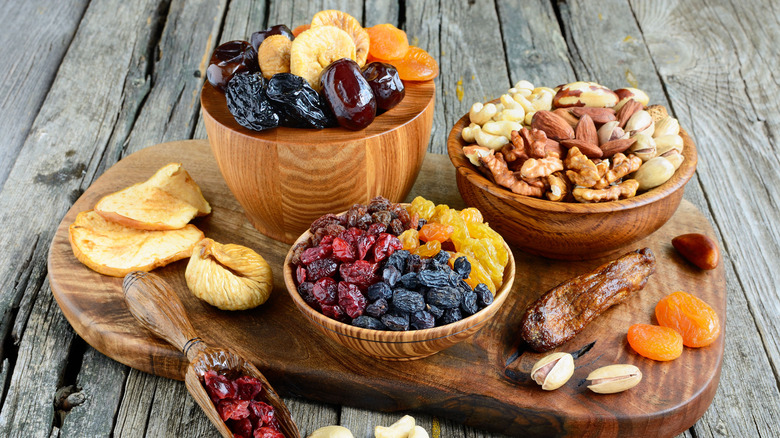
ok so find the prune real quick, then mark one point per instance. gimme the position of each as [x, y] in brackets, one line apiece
[321, 268]
[385, 83]
[248, 103]
[379, 291]
[462, 267]
[348, 94]
[232, 409]
[335, 312]
[229, 59]
[410, 280]
[316, 253]
[325, 291]
[444, 297]
[343, 251]
[386, 245]
[442, 257]
[361, 272]
[398, 260]
[258, 37]
[351, 299]
[408, 301]
[434, 278]
[378, 308]
[484, 296]
[391, 275]
[396, 321]
[422, 320]
[469, 303]
[297, 104]
[368, 322]
[451, 315]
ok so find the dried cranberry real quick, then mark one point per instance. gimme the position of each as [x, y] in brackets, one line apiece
[364, 245]
[228, 59]
[361, 273]
[334, 312]
[351, 299]
[300, 274]
[316, 253]
[325, 291]
[386, 245]
[233, 409]
[218, 386]
[241, 427]
[326, 239]
[343, 250]
[263, 412]
[248, 387]
[321, 268]
[267, 432]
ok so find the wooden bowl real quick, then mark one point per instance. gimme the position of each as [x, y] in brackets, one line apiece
[568, 231]
[285, 178]
[392, 345]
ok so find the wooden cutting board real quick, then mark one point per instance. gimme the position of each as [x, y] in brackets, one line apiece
[482, 382]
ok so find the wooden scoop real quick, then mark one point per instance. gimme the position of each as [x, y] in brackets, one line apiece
[157, 307]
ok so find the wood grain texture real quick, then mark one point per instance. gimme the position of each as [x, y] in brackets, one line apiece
[296, 362]
[286, 178]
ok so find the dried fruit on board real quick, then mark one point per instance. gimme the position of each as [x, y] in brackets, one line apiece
[694, 319]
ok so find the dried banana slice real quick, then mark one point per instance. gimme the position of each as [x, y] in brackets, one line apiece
[348, 24]
[316, 48]
[273, 55]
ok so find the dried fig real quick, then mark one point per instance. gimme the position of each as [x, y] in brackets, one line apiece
[317, 48]
[230, 277]
[273, 55]
[348, 24]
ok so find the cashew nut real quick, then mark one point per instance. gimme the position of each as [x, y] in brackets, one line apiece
[332, 432]
[468, 133]
[513, 115]
[489, 140]
[503, 128]
[480, 113]
[399, 429]
[524, 85]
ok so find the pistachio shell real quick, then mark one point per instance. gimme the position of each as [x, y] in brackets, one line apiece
[666, 126]
[654, 172]
[553, 370]
[644, 147]
[614, 378]
[666, 143]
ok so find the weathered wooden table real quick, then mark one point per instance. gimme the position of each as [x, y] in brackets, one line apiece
[87, 83]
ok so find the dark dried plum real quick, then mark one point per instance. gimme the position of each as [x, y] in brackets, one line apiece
[434, 278]
[229, 59]
[396, 321]
[378, 308]
[378, 291]
[484, 296]
[368, 322]
[422, 320]
[258, 37]
[385, 83]
[248, 103]
[408, 301]
[462, 267]
[348, 94]
[444, 297]
[469, 303]
[297, 104]
[451, 315]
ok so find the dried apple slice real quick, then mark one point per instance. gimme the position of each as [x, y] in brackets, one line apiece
[166, 201]
[273, 55]
[113, 249]
[348, 24]
[316, 48]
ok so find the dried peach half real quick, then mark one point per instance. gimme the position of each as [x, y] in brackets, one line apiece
[316, 48]
[273, 55]
[351, 26]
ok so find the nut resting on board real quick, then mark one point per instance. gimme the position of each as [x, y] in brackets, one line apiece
[614, 378]
[552, 371]
[566, 309]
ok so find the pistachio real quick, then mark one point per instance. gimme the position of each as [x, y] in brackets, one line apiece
[666, 126]
[611, 131]
[644, 147]
[553, 370]
[666, 143]
[654, 172]
[614, 378]
[640, 122]
[674, 157]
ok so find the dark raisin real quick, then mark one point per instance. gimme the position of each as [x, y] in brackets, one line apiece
[247, 102]
[484, 296]
[305, 290]
[398, 260]
[343, 251]
[229, 59]
[365, 221]
[443, 297]
[434, 278]
[408, 301]
[297, 104]
[442, 257]
[321, 268]
[382, 217]
[397, 227]
[323, 221]
[335, 312]
[422, 320]
[421, 222]
[379, 291]
[414, 263]
[297, 250]
[463, 287]
[325, 291]
[396, 321]
[379, 204]
[378, 308]
[451, 315]
[462, 267]
[437, 312]
[376, 228]
[368, 322]
[391, 275]
[410, 281]
[351, 299]
[469, 303]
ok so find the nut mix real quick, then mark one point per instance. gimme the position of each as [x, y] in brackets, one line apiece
[276, 80]
[384, 266]
[579, 142]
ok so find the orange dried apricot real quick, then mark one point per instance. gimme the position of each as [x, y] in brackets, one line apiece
[655, 342]
[298, 30]
[435, 231]
[430, 249]
[387, 42]
[416, 65]
[694, 319]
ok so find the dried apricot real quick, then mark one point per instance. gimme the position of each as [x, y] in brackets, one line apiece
[435, 231]
[694, 319]
[348, 24]
[655, 342]
[298, 30]
[387, 42]
[416, 65]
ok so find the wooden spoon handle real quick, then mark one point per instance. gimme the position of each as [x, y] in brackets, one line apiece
[156, 306]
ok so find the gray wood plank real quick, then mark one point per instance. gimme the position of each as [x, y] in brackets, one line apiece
[36, 34]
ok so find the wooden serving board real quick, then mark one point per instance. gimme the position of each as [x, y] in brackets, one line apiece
[482, 382]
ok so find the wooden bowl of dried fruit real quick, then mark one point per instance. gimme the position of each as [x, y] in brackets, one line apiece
[568, 230]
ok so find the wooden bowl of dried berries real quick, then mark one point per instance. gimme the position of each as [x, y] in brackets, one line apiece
[572, 173]
[399, 281]
[304, 124]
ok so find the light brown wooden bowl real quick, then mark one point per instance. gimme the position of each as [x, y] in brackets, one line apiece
[568, 231]
[285, 178]
[392, 345]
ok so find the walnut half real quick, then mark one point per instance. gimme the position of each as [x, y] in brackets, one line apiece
[230, 277]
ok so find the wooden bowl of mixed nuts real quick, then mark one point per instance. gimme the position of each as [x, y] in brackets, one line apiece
[556, 187]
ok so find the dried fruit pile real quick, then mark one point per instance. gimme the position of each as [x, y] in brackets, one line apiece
[276, 79]
[369, 268]
[578, 142]
[239, 404]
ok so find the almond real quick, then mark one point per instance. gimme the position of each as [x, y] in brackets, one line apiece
[626, 111]
[590, 150]
[555, 126]
[599, 115]
[611, 148]
[567, 115]
[553, 148]
[586, 130]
